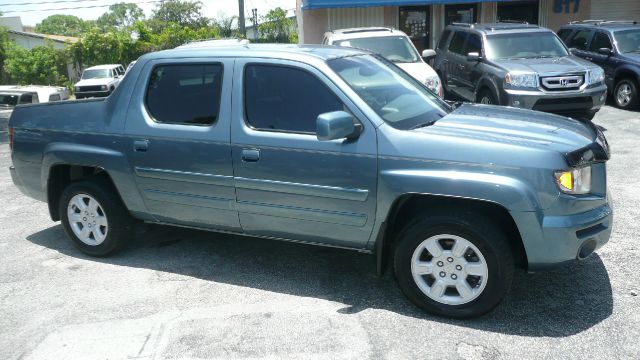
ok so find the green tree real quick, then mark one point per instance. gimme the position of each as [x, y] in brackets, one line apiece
[67, 25]
[4, 44]
[276, 27]
[227, 26]
[42, 65]
[96, 47]
[184, 13]
[120, 16]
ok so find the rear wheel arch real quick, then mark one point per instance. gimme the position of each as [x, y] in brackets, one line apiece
[407, 207]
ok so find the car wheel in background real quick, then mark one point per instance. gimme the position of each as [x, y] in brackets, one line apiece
[486, 97]
[94, 217]
[625, 94]
[459, 265]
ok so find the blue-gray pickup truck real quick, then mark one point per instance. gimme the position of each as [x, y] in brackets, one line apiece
[328, 146]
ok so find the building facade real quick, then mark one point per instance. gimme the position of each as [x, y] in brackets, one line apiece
[424, 20]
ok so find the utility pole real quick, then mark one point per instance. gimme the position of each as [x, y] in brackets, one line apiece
[243, 30]
[254, 12]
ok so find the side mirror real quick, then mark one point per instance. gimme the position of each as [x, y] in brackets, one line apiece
[572, 50]
[605, 51]
[474, 56]
[428, 53]
[336, 125]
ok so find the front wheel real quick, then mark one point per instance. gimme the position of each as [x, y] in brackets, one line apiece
[486, 97]
[456, 266]
[625, 94]
[94, 217]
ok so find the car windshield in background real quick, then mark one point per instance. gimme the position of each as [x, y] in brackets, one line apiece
[96, 74]
[400, 100]
[524, 46]
[7, 100]
[628, 40]
[394, 48]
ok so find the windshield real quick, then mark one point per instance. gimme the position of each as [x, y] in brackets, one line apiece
[96, 74]
[628, 40]
[396, 97]
[524, 46]
[394, 48]
[7, 100]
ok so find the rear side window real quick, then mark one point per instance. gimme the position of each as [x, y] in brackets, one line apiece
[286, 99]
[564, 34]
[443, 39]
[581, 39]
[457, 42]
[600, 40]
[474, 44]
[185, 94]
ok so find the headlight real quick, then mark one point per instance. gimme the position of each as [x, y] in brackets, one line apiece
[104, 87]
[521, 80]
[433, 83]
[596, 75]
[575, 181]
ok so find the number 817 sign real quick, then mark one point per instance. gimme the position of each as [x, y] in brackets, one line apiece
[566, 6]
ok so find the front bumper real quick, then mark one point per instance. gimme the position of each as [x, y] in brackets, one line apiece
[550, 241]
[587, 100]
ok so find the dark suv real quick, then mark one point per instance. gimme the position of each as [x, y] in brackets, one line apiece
[518, 65]
[615, 46]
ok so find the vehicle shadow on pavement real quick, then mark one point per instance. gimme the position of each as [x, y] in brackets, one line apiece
[560, 303]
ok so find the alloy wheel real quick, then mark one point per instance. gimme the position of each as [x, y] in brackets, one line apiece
[87, 219]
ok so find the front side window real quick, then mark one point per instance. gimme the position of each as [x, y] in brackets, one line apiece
[185, 94]
[286, 99]
[564, 34]
[395, 48]
[601, 40]
[96, 74]
[527, 45]
[628, 40]
[396, 97]
[581, 39]
[443, 39]
[474, 44]
[457, 42]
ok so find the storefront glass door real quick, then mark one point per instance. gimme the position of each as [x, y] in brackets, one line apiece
[415, 22]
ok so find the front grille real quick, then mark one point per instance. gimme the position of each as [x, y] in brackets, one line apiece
[564, 104]
[562, 82]
[91, 88]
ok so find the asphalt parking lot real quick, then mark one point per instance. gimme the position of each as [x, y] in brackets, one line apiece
[187, 294]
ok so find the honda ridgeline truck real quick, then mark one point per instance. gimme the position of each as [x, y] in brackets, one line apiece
[322, 145]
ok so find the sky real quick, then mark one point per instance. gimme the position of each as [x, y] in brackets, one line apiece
[35, 10]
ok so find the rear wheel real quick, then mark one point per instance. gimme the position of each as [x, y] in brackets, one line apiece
[457, 266]
[625, 94]
[94, 217]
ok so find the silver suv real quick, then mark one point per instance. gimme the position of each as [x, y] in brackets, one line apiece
[519, 65]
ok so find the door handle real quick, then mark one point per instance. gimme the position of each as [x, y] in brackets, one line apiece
[250, 155]
[588, 58]
[141, 145]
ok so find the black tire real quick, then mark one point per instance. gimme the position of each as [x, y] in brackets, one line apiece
[488, 96]
[623, 102]
[120, 224]
[478, 230]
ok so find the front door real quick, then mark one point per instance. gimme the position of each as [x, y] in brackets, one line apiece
[289, 184]
[178, 129]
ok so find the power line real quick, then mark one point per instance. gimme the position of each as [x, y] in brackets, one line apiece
[47, 2]
[75, 8]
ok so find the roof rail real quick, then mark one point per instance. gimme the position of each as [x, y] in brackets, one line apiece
[509, 21]
[371, 29]
[585, 21]
[604, 22]
[462, 24]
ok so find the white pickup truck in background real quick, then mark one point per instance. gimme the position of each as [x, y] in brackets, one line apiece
[99, 81]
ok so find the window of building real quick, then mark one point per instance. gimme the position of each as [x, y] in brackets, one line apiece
[286, 99]
[474, 44]
[457, 42]
[185, 94]
[415, 22]
[443, 39]
[581, 39]
[600, 40]
[462, 13]
[519, 11]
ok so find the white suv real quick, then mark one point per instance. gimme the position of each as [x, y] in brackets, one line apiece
[98, 81]
[394, 45]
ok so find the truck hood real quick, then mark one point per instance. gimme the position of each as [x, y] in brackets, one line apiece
[566, 64]
[525, 128]
[418, 70]
[94, 82]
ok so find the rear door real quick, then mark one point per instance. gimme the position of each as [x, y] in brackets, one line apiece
[602, 40]
[178, 139]
[289, 184]
[469, 72]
